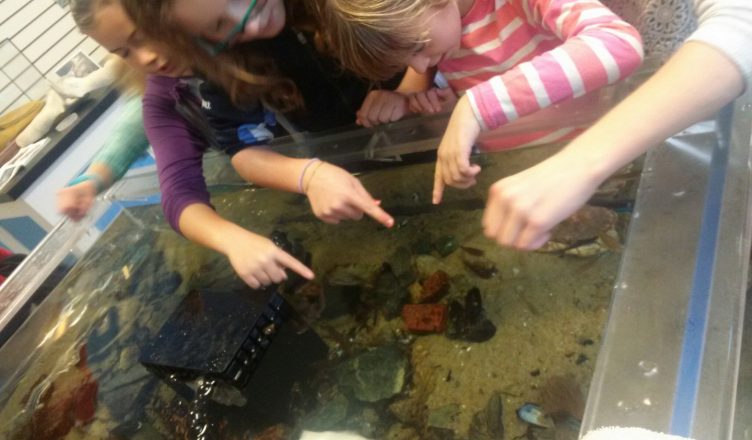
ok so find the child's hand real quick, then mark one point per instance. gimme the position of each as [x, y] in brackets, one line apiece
[432, 100]
[259, 262]
[453, 166]
[522, 209]
[380, 107]
[337, 195]
[75, 201]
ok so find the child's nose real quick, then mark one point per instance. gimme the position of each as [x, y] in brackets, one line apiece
[145, 57]
[419, 63]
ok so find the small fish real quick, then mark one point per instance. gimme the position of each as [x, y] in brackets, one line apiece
[534, 415]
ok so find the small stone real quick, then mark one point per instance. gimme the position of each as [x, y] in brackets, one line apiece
[425, 318]
[481, 332]
[421, 247]
[446, 245]
[434, 287]
[329, 415]
[388, 293]
[374, 375]
[440, 433]
[480, 266]
[425, 265]
[416, 293]
[468, 322]
[444, 416]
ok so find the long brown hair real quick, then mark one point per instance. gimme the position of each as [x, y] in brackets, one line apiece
[244, 74]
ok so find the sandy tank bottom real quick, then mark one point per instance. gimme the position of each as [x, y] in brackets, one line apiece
[548, 311]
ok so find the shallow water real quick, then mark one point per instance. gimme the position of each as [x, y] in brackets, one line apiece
[357, 367]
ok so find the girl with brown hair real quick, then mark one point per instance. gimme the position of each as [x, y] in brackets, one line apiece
[180, 133]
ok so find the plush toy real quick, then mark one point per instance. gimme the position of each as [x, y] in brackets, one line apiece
[62, 95]
[14, 121]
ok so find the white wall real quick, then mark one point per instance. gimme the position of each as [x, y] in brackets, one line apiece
[36, 38]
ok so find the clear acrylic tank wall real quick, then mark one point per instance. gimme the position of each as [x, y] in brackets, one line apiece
[632, 315]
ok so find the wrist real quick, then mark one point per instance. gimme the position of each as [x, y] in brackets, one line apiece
[92, 178]
[301, 178]
[463, 117]
[595, 157]
[228, 236]
[308, 178]
[201, 224]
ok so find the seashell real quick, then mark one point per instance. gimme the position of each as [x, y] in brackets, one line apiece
[534, 415]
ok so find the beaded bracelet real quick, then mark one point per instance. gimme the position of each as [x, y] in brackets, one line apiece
[95, 179]
[302, 173]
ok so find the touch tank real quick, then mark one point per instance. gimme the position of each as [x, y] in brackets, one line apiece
[426, 330]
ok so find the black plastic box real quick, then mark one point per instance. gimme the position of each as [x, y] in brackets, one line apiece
[217, 335]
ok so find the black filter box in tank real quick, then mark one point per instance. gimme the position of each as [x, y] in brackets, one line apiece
[223, 333]
[216, 334]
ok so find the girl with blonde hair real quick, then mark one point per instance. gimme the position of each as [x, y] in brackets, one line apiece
[507, 59]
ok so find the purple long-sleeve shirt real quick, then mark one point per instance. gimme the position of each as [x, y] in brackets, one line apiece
[178, 148]
[331, 99]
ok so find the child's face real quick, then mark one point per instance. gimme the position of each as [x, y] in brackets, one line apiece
[115, 31]
[444, 32]
[215, 19]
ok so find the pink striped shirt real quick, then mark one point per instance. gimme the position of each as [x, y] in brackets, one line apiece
[519, 56]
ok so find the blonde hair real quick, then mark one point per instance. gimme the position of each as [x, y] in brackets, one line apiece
[84, 12]
[375, 38]
[128, 80]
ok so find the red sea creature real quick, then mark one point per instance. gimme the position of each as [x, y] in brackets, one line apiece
[70, 400]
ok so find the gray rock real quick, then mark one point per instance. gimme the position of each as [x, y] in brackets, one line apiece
[444, 416]
[374, 375]
[402, 265]
[352, 275]
[389, 294]
[329, 416]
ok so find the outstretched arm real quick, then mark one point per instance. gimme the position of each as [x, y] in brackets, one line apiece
[597, 48]
[255, 258]
[76, 199]
[695, 83]
[126, 143]
[185, 199]
[334, 193]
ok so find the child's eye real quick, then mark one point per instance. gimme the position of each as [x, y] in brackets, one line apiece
[137, 38]
[419, 47]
